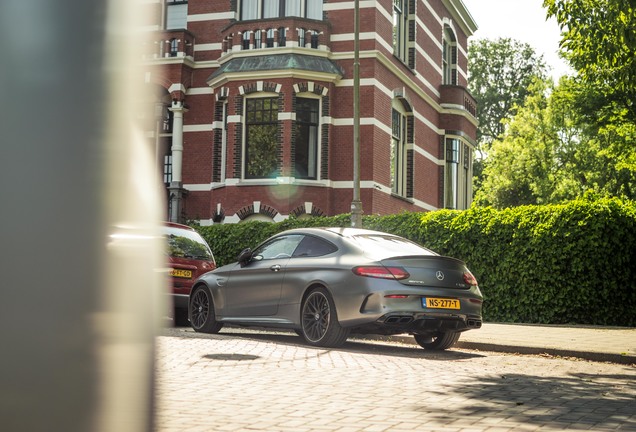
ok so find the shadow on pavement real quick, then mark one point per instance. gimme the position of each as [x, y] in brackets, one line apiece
[593, 402]
[352, 345]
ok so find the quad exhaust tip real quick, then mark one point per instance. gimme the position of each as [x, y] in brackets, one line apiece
[399, 320]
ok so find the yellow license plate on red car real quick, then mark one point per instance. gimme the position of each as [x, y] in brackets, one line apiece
[440, 303]
[181, 273]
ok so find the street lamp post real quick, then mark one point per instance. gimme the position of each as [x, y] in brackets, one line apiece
[356, 203]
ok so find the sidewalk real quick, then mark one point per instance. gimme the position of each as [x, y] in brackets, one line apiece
[610, 344]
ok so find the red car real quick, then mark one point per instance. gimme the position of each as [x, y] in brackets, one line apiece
[189, 257]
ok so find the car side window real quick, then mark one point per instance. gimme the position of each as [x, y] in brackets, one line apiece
[280, 247]
[311, 246]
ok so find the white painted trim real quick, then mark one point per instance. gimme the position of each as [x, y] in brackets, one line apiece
[177, 87]
[282, 116]
[208, 47]
[211, 16]
[198, 128]
[199, 91]
[348, 5]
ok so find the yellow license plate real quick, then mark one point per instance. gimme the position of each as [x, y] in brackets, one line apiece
[440, 303]
[181, 273]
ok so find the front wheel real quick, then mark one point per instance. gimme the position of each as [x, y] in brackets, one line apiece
[320, 326]
[437, 341]
[202, 318]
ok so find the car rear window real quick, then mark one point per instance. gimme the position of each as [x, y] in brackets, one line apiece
[312, 246]
[385, 246]
[187, 244]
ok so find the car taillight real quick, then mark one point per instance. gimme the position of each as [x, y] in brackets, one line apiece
[469, 278]
[381, 272]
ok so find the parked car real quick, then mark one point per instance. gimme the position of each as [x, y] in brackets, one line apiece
[189, 257]
[326, 283]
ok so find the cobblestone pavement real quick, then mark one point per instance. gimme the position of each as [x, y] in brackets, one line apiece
[254, 381]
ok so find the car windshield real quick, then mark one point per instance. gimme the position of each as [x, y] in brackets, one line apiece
[187, 244]
[384, 246]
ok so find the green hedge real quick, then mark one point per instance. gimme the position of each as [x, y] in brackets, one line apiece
[559, 264]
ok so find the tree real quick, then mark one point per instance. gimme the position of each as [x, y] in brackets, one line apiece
[550, 152]
[599, 41]
[500, 74]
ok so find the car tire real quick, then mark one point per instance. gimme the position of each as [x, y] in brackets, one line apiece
[202, 317]
[437, 341]
[319, 320]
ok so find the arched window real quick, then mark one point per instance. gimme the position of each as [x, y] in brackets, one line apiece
[269, 40]
[174, 47]
[314, 39]
[282, 36]
[400, 28]
[398, 150]
[449, 57]
[246, 40]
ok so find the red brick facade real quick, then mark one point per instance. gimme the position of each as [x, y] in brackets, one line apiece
[209, 69]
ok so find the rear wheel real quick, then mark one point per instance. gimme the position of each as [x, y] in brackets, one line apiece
[320, 326]
[202, 318]
[437, 341]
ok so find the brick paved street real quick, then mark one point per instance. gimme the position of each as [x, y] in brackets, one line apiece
[251, 381]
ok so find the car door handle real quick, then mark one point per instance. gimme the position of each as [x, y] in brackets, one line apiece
[275, 268]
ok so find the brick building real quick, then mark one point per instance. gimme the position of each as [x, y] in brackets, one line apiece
[253, 104]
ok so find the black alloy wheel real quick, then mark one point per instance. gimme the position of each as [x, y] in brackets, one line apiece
[437, 341]
[320, 326]
[202, 318]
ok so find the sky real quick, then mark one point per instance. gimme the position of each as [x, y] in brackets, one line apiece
[523, 20]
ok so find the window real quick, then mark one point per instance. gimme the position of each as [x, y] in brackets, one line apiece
[451, 178]
[261, 137]
[176, 14]
[449, 57]
[280, 247]
[398, 156]
[269, 38]
[282, 36]
[262, 9]
[306, 141]
[271, 8]
[311, 246]
[174, 47]
[468, 177]
[400, 28]
[246, 40]
[249, 9]
[167, 169]
[167, 118]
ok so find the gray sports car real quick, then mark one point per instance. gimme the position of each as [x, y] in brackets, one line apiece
[326, 283]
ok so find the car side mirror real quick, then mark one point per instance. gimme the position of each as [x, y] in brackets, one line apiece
[244, 257]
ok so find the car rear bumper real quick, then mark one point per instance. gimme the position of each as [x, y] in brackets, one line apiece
[180, 301]
[418, 322]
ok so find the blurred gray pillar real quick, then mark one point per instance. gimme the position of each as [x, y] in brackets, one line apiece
[177, 192]
[79, 232]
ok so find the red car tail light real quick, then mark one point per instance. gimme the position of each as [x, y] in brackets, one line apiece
[469, 278]
[381, 272]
